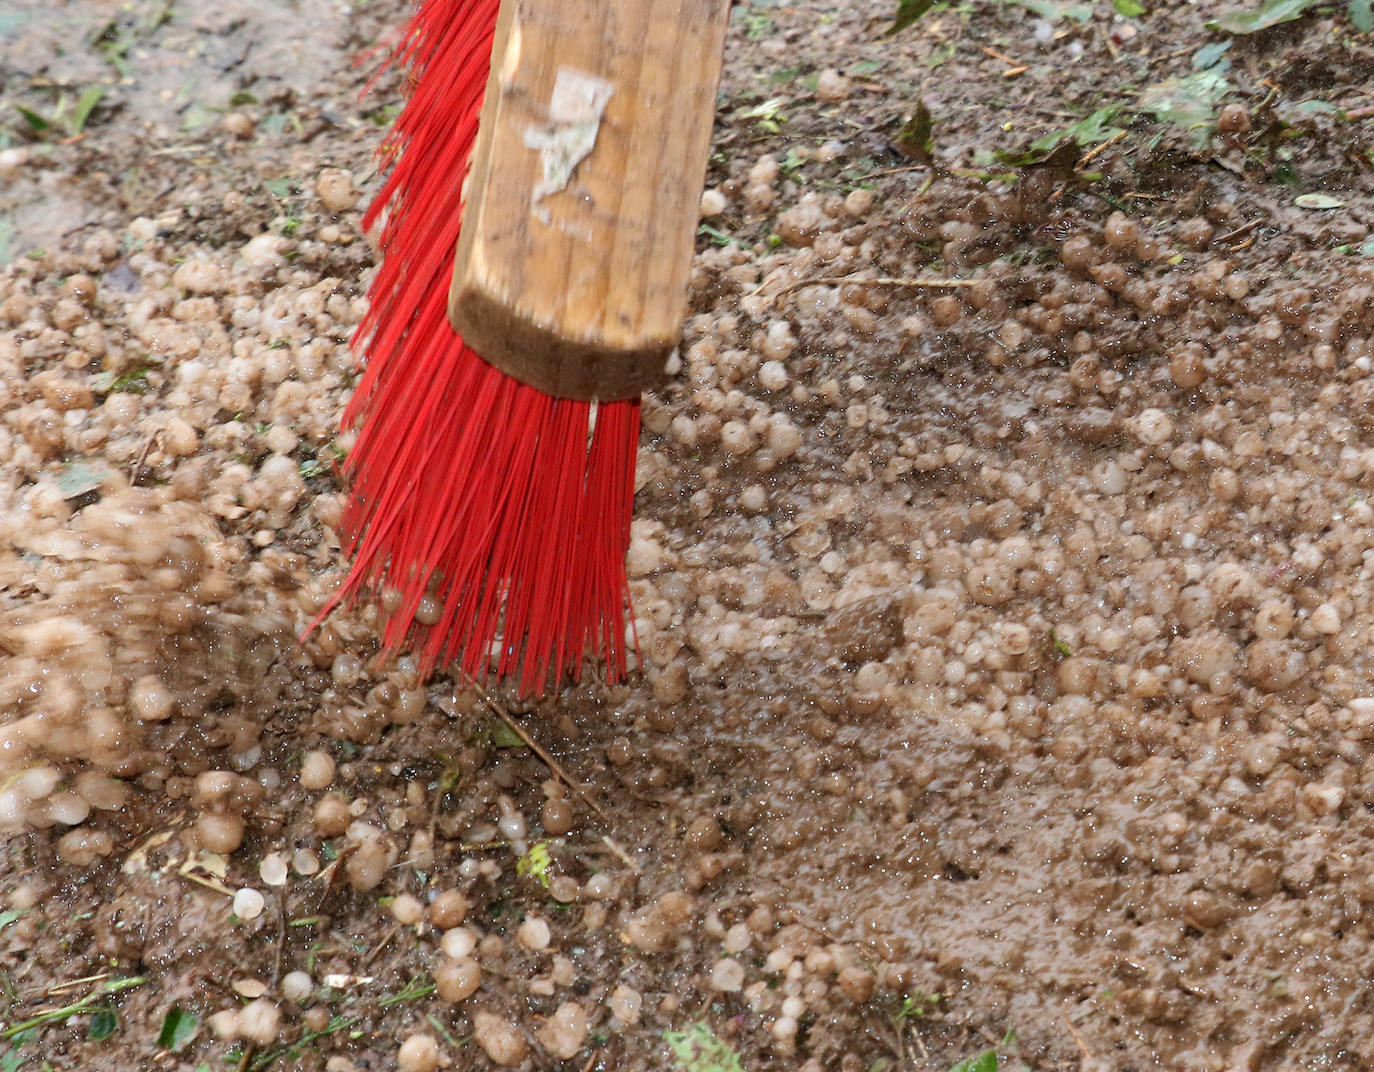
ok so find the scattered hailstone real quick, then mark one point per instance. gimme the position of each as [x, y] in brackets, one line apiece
[296, 986]
[250, 988]
[727, 975]
[249, 903]
[534, 933]
[458, 942]
[273, 869]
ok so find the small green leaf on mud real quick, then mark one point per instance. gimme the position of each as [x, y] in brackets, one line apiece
[10, 915]
[1361, 17]
[1059, 644]
[535, 863]
[77, 478]
[1269, 14]
[1318, 201]
[1092, 129]
[1209, 56]
[499, 735]
[104, 1023]
[1129, 9]
[699, 1050]
[85, 105]
[984, 1062]
[916, 138]
[177, 1028]
[38, 122]
[1189, 102]
[908, 11]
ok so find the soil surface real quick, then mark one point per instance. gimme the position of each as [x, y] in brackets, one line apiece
[1001, 571]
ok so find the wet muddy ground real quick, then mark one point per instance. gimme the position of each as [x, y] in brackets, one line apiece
[1001, 569]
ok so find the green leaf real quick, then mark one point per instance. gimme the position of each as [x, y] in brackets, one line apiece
[1053, 12]
[1318, 201]
[1209, 56]
[536, 863]
[10, 915]
[916, 138]
[1129, 9]
[908, 11]
[77, 478]
[38, 122]
[1360, 15]
[1092, 129]
[1316, 107]
[984, 1062]
[768, 109]
[499, 735]
[278, 188]
[1189, 102]
[12, 1061]
[85, 104]
[177, 1028]
[1270, 14]
[698, 1049]
[104, 1023]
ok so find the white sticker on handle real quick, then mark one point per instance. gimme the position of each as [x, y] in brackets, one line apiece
[569, 135]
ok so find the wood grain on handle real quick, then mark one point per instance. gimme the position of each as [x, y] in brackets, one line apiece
[576, 282]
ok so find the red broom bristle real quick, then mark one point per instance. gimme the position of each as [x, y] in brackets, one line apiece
[503, 510]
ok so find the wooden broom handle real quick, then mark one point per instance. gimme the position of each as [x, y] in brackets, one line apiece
[572, 267]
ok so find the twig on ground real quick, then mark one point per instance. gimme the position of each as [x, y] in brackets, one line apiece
[572, 783]
[371, 956]
[137, 472]
[1078, 1039]
[281, 938]
[881, 281]
[1244, 228]
[53, 1016]
[1099, 148]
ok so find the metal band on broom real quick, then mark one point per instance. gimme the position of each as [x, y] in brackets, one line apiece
[491, 495]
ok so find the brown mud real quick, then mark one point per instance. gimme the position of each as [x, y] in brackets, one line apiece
[1001, 564]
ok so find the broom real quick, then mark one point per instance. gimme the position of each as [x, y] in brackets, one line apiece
[492, 477]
